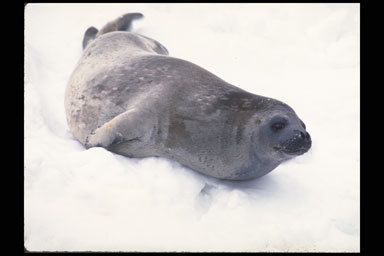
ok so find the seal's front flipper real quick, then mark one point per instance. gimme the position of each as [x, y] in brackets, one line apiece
[130, 128]
[89, 35]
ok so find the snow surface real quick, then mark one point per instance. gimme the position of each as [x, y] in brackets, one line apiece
[306, 55]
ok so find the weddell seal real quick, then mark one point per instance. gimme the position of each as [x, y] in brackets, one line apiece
[127, 95]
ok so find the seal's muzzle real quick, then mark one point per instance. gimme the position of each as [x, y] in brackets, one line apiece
[299, 144]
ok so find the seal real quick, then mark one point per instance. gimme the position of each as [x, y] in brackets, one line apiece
[129, 96]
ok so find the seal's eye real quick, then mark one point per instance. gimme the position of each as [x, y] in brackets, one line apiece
[278, 126]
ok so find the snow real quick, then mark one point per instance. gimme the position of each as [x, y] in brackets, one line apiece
[306, 55]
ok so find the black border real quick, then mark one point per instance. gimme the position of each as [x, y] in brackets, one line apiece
[363, 133]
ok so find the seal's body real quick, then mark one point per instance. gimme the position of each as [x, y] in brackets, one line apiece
[128, 96]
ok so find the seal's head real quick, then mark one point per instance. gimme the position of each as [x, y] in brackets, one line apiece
[284, 133]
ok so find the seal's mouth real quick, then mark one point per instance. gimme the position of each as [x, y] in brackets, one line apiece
[297, 152]
[291, 151]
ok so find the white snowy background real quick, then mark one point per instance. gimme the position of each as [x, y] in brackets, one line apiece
[306, 55]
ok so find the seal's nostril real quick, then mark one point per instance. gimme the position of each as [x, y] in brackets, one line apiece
[307, 136]
[302, 135]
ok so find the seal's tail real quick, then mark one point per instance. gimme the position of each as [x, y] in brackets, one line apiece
[122, 23]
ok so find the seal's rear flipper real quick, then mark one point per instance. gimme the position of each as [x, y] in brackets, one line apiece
[89, 35]
[125, 21]
[122, 23]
